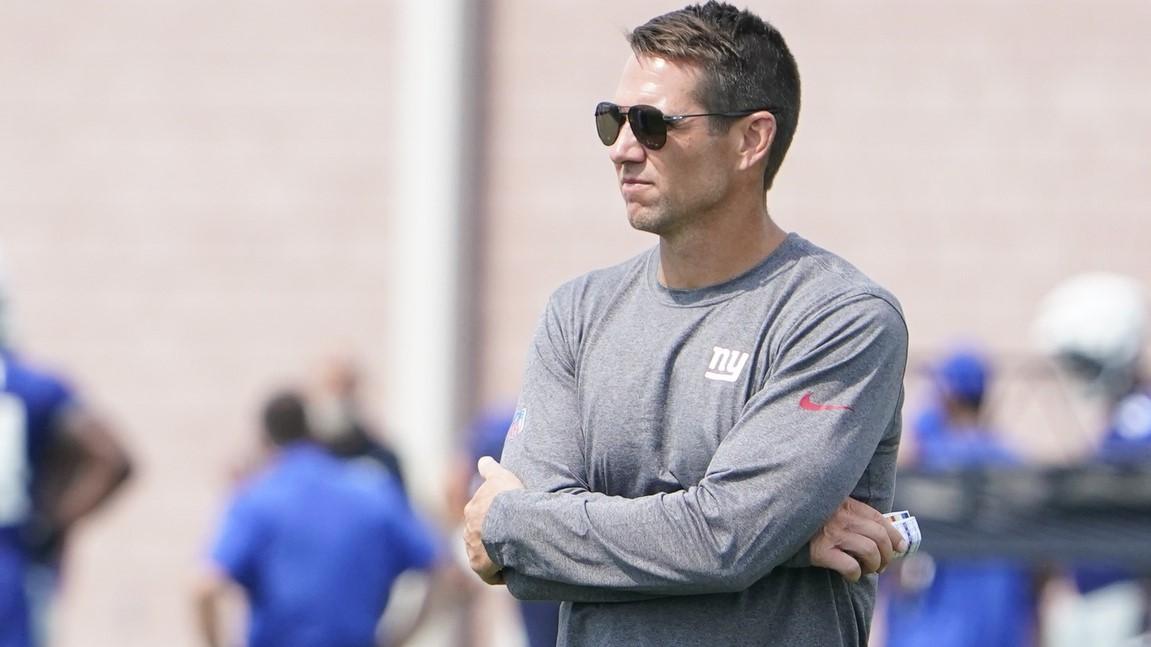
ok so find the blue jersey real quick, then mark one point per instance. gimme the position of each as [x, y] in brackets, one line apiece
[317, 544]
[1127, 441]
[1128, 437]
[987, 602]
[30, 403]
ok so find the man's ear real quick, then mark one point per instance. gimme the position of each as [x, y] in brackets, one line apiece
[757, 132]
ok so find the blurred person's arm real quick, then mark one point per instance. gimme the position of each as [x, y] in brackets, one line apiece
[419, 590]
[426, 572]
[1043, 579]
[212, 587]
[86, 466]
[231, 570]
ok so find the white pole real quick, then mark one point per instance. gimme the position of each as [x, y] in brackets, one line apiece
[425, 362]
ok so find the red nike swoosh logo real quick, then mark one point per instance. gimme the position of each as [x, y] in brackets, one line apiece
[806, 403]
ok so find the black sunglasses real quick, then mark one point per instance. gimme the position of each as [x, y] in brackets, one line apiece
[648, 123]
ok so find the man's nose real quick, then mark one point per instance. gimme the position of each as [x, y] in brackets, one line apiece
[626, 148]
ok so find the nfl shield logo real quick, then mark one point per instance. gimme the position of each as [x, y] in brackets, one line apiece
[517, 423]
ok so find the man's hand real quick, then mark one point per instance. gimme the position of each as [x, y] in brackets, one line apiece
[857, 540]
[496, 480]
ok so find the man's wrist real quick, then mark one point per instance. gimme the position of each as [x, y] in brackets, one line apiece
[801, 559]
[498, 530]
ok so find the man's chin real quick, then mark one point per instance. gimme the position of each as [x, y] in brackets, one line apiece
[643, 219]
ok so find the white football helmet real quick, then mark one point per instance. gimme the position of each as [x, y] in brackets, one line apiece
[1095, 324]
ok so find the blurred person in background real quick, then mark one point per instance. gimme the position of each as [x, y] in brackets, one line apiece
[485, 437]
[952, 431]
[59, 462]
[1094, 326]
[988, 602]
[337, 418]
[314, 543]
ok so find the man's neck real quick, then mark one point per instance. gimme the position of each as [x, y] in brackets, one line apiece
[719, 250]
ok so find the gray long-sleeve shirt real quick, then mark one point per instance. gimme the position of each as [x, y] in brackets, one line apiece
[678, 447]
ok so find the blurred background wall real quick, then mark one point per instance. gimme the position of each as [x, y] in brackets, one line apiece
[195, 203]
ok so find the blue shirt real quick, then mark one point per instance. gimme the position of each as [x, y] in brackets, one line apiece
[988, 602]
[30, 403]
[317, 544]
[1127, 441]
[1128, 437]
[960, 448]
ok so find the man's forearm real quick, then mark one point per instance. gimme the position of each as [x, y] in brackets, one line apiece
[207, 619]
[621, 545]
[94, 485]
[99, 465]
[526, 587]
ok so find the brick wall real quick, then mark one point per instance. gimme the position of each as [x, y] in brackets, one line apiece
[192, 203]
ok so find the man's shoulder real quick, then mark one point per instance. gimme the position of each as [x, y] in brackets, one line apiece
[259, 488]
[805, 288]
[361, 485]
[21, 377]
[603, 279]
[279, 487]
[365, 477]
[819, 279]
[41, 394]
[598, 285]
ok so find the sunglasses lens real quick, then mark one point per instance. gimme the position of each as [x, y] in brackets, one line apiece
[648, 125]
[608, 121]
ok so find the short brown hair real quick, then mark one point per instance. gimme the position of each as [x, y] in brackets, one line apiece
[744, 62]
[285, 418]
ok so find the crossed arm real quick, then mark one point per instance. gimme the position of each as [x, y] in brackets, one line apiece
[777, 486]
[854, 542]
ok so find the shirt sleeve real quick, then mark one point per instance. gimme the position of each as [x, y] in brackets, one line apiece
[415, 543]
[548, 456]
[238, 543]
[802, 444]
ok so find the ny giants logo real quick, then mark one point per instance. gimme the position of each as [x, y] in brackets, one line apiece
[725, 365]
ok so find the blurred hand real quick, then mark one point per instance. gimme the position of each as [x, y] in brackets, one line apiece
[856, 541]
[496, 480]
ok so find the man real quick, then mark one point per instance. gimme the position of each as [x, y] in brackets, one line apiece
[314, 543]
[952, 432]
[691, 418]
[1094, 326]
[991, 601]
[337, 418]
[59, 462]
